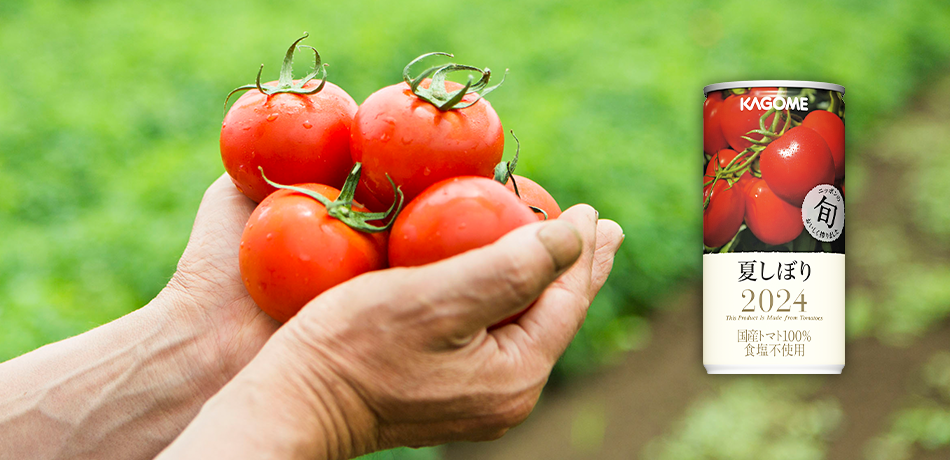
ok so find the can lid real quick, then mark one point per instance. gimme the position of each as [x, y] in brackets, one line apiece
[773, 83]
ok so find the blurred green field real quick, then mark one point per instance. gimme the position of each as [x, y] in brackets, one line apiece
[110, 115]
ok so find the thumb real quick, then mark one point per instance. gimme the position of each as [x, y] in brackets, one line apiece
[486, 285]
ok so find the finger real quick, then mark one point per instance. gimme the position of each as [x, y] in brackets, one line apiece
[584, 217]
[216, 234]
[609, 238]
[222, 200]
[471, 291]
[557, 315]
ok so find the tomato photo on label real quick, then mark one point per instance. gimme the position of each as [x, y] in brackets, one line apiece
[795, 163]
[297, 130]
[424, 130]
[713, 140]
[302, 240]
[736, 121]
[723, 214]
[771, 219]
[831, 129]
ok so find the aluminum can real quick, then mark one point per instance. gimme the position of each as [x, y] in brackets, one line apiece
[773, 228]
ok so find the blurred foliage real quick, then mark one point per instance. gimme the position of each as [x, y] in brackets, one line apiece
[925, 424]
[111, 110]
[404, 453]
[754, 418]
[110, 136]
[902, 282]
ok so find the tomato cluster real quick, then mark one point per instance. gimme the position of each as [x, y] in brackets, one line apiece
[762, 161]
[331, 178]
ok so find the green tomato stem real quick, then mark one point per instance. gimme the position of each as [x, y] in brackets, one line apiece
[342, 208]
[286, 82]
[437, 93]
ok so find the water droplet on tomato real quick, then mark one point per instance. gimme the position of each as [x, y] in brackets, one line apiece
[305, 257]
[246, 128]
[224, 125]
[384, 137]
[406, 140]
[427, 171]
[272, 117]
[270, 236]
[307, 125]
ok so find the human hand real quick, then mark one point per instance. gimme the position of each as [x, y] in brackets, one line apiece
[126, 389]
[208, 285]
[404, 356]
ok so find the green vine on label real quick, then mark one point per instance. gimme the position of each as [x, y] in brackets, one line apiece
[745, 160]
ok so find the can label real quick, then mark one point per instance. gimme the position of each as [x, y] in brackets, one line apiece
[773, 229]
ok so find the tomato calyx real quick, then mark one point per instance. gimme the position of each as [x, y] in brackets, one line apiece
[505, 171]
[286, 83]
[437, 94]
[342, 208]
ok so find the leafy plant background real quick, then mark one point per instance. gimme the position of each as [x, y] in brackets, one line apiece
[110, 115]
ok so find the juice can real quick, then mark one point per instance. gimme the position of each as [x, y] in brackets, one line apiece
[773, 228]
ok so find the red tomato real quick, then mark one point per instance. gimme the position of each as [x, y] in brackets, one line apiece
[296, 138]
[291, 251]
[397, 133]
[722, 159]
[795, 163]
[736, 122]
[454, 216]
[535, 195]
[759, 92]
[723, 216]
[831, 129]
[771, 219]
[713, 140]
[368, 199]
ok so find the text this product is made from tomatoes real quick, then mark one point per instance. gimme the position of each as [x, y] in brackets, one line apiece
[773, 228]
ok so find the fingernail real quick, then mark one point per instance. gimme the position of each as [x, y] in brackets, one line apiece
[596, 214]
[562, 241]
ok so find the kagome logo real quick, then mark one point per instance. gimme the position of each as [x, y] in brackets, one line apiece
[768, 102]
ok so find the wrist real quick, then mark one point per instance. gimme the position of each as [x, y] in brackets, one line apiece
[227, 326]
[279, 407]
[304, 378]
[182, 315]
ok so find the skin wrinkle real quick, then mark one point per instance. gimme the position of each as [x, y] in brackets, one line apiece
[506, 407]
[51, 404]
[412, 394]
[166, 351]
[132, 395]
[354, 372]
[340, 425]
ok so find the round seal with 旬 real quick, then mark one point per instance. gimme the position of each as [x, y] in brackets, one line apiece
[823, 213]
